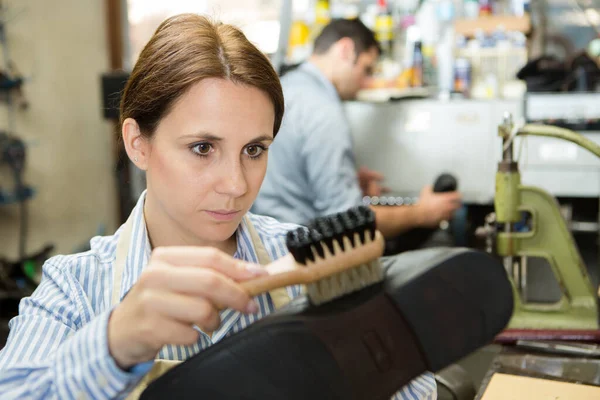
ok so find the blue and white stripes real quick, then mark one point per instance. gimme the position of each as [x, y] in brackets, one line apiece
[58, 349]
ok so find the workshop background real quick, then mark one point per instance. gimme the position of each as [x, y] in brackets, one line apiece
[449, 73]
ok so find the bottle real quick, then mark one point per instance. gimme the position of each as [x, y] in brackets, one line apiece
[299, 45]
[417, 69]
[485, 8]
[471, 9]
[429, 65]
[462, 76]
[445, 61]
[322, 13]
[519, 7]
[320, 18]
[384, 29]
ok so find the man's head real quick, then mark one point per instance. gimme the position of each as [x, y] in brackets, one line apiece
[348, 50]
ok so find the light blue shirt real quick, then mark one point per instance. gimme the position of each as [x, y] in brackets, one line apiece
[311, 170]
[58, 348]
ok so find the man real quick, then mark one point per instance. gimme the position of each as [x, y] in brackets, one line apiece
[311, 169]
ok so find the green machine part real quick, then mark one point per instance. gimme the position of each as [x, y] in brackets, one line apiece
[548, 238]
[508, 197]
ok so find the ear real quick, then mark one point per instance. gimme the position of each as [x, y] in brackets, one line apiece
[346, 49]
[136, 146]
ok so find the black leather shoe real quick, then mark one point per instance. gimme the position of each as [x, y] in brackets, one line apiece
[435, 307]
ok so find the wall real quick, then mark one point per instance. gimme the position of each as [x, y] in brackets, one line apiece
[61, 46]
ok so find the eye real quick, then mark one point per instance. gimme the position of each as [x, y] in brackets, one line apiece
[202, 149]
[254, 150]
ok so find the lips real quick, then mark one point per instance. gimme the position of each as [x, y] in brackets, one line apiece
[223, 215]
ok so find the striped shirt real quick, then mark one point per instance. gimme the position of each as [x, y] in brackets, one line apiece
[58, 348]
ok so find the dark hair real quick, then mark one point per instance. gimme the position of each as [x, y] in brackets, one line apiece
[184, 50]
[363, 37]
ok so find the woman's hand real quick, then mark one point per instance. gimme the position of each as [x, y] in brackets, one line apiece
[179, 289]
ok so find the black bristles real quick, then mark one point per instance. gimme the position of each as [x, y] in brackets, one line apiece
[349, 221]
[359, 221]
[369, 216]
[298, 242]
[307, 242]
[316, 239]
[339, 230]
[293, 246]
[323, 226]
[324, 231]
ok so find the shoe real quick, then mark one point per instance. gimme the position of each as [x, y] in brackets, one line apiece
[434, 307]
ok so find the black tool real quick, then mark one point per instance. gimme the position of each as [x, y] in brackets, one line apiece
[445, 183]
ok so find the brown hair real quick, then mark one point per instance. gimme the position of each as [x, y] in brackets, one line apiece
[184, 50]
[363, 38]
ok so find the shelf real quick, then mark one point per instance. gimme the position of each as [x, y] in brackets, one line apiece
[468, 27]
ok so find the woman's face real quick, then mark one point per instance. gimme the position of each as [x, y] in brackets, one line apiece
[208, 157]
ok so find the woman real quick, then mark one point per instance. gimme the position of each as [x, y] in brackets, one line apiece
[198, 114]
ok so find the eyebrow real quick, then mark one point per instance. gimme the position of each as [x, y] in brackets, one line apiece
[214, 138]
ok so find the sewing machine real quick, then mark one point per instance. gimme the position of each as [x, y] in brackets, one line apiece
[527, 223]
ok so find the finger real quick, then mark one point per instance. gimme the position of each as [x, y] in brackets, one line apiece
[200, 282]
[451, 197]
[453, 203]
[451, 209]
[385, 189]
[208, 257]
[175, 333]
[187, 309]
[447, 215]
[374, 189]
[374, 175]
[453, 194]
[427, 189]
[371, 174]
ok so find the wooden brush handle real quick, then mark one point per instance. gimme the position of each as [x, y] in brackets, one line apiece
[286, 271]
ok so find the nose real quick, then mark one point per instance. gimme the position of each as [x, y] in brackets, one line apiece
[232, 181]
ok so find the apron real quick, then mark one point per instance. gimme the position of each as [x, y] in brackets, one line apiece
[280, 297]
